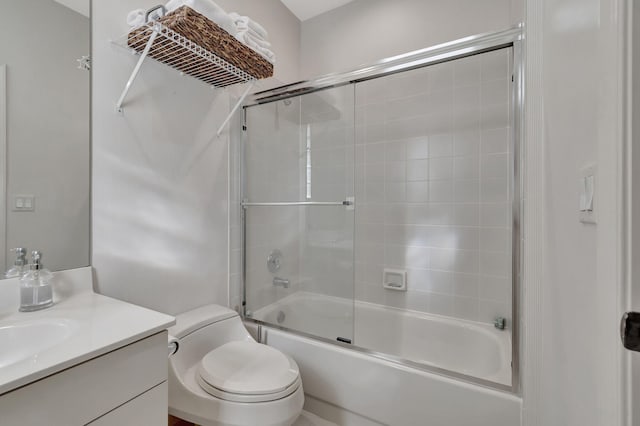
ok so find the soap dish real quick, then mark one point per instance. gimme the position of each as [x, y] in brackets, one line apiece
[394, 279]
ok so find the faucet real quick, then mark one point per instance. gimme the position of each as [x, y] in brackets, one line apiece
[280, 282]
[500, 323]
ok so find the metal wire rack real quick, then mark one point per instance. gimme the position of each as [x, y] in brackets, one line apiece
[161, 43]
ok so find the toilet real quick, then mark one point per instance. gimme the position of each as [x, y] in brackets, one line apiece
[219, 375]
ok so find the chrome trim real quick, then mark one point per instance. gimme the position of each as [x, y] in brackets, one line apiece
[281, 282]
[466, 46]
[298, 203]
[242, 211]
[259, 334]
[517, 234]
[382, 356]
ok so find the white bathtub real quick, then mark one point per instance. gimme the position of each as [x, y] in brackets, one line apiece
[464, 347]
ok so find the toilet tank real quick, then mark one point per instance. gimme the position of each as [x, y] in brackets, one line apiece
[201, 330]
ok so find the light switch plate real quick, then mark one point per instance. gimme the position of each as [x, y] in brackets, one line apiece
[588, 189]
[24, 203]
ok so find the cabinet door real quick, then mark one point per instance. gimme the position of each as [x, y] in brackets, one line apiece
[83, 393]
[150, 408]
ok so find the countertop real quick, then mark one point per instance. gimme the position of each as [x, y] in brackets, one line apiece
[97, 325]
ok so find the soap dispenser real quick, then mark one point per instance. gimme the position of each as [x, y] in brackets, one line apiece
[19, 265]
[35, 286]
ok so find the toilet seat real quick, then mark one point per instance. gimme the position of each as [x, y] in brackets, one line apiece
[246, 371]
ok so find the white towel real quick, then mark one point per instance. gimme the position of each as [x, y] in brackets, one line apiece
[244, 22]
[243, 37]
[209, 9]
[135, 18]
[250, 34]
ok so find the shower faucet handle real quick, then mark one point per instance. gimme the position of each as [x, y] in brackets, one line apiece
[274, 261]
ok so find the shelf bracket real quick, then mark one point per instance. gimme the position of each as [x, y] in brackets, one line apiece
[235, 108]
[136, 70]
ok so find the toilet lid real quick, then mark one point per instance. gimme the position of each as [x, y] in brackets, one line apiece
[248, 368]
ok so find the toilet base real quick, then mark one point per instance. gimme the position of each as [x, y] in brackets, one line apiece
[305, 419]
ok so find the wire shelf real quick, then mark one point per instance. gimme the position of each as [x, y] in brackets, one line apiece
[167, 46]
[193, 55]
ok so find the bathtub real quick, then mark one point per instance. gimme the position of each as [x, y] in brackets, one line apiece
[441, 343]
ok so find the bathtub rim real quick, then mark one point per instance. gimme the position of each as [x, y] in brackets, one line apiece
[480, 327]
[403, 362]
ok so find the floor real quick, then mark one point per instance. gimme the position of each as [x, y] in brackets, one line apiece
[174, 421]
[305, 419]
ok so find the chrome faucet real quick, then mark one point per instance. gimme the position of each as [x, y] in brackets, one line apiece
[500, 323]
[280, 282]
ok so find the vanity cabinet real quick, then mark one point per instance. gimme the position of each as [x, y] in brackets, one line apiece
[126, 386]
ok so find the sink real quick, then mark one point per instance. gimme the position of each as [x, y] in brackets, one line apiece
[22, 340]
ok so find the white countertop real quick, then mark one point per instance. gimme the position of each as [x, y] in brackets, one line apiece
[99, 324]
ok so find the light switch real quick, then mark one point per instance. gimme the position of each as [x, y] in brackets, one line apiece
[586, 194]
[587, 185]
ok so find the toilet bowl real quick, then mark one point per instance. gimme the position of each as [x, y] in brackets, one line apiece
[220, 376]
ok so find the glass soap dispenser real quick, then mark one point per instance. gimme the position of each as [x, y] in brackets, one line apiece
[19, 265]
[35, 286]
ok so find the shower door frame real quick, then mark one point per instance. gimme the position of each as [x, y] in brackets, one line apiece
[457, 49]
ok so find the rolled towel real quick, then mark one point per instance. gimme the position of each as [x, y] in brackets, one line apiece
[246, 22]
[209, 9]
[135, 18]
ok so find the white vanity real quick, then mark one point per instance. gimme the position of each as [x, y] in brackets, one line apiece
[88, 359]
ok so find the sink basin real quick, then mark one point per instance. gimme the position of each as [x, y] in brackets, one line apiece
[26, 339]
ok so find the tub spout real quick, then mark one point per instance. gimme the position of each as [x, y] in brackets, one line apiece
[281, 282]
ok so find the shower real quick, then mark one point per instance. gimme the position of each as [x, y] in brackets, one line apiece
[392, 193]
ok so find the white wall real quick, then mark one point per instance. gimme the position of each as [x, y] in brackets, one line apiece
[81, 6]
[365, 31]
[47, 130]
[160, 176]
[571, 295]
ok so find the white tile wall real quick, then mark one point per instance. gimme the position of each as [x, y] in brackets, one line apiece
[433, 161]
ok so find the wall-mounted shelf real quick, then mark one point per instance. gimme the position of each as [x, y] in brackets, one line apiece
[156, 40]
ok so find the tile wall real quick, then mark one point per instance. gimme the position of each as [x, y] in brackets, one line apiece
[433, 165]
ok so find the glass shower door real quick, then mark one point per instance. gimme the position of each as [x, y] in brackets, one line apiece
[298, 206]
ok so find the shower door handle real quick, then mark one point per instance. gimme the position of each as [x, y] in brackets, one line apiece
[630, 331]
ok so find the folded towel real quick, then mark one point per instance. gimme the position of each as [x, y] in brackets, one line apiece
[250, 34]
[243, 37]
[244, 22]
[209, 9]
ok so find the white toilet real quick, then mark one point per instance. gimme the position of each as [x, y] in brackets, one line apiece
[219, 375]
